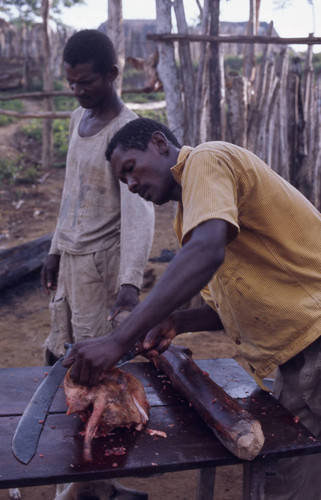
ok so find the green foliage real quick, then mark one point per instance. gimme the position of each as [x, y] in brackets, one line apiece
[33, 130]
[133, 77]
[143, 97]
[10, 169]
[29, 11]
[14, 105]
[154, 114]
[13, 171]
[65, 103]
[316, 62]
[35, 84]
[233, 63]
[60, 137]
[28, 175]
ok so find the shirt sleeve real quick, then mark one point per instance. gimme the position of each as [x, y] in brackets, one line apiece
[206, 295]
[136, 236]
[209, 191]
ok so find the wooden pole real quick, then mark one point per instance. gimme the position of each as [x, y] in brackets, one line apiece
[164, 37]
[47, 138]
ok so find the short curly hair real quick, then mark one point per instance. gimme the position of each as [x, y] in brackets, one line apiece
[136, 134]
[90, 46]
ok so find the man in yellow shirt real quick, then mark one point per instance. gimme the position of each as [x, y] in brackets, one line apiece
[252, 243]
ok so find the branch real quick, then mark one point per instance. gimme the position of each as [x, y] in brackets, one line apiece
[52, 115]
[36, 95]
[164, 37]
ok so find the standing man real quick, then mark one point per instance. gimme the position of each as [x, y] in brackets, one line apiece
[252, 243]
[104, 233]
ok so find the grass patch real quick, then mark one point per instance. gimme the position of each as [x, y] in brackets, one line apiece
[14, 105]
[10, 169]
[33, 131]
[14, 171]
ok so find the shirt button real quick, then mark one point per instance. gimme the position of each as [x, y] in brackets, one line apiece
[217, 305]
[237, 341]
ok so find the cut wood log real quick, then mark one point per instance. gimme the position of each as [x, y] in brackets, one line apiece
[236, 428]
[19, 261]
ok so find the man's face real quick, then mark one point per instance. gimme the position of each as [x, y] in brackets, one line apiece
[90, 88]
[146, 173]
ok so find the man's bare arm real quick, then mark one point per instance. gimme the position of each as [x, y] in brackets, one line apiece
[191, 269]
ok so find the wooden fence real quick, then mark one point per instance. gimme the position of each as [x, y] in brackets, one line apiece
[276, 115]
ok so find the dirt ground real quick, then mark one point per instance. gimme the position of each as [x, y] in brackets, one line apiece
[29, 211]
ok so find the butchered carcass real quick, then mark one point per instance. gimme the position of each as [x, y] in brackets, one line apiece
[118, 400]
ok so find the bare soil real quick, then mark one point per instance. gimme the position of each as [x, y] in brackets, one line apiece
[29, 211]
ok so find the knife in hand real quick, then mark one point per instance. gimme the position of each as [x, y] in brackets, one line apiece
[131, 354]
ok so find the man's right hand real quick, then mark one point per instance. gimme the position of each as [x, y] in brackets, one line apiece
[49, 273]
[159, 338]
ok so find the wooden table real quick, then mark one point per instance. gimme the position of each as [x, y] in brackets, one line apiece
[190, 444]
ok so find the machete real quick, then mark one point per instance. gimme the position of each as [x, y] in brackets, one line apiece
[29, 428]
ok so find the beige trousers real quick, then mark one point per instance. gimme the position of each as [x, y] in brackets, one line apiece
[86, 290]
[298, 387]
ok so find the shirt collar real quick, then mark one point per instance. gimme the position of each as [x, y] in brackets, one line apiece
[177, 170]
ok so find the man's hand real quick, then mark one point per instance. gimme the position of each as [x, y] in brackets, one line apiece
[126, 300]
[159, 338]
[49, 273]
[92, 357]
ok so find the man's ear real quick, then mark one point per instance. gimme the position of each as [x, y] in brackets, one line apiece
[160, 140]
[113, 72]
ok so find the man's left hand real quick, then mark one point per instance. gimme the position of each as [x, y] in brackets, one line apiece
[126, 300]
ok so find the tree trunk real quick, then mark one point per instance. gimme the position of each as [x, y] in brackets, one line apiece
[282, 159]
[199, 88]
[237, 105]
[316, 167]
[215, 129]
[249, 53]
[168, 71]
[47, 141]
[257, 100]
[116, 34]
[187, 73]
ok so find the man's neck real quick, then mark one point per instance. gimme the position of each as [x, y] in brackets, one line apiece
[108, 110]
[95, 119]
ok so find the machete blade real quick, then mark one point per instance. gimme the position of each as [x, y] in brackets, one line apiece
[29, 428]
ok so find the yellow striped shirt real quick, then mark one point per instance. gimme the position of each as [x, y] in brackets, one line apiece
[268, 290]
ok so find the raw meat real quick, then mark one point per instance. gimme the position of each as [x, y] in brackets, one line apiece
[119, 400]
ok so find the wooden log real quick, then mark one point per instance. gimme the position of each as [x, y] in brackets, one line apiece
[19, 261]
[236, 428]
[277, 40]
[52, 115]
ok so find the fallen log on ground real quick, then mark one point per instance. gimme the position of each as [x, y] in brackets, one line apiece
[236, 428]
[19, 261]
